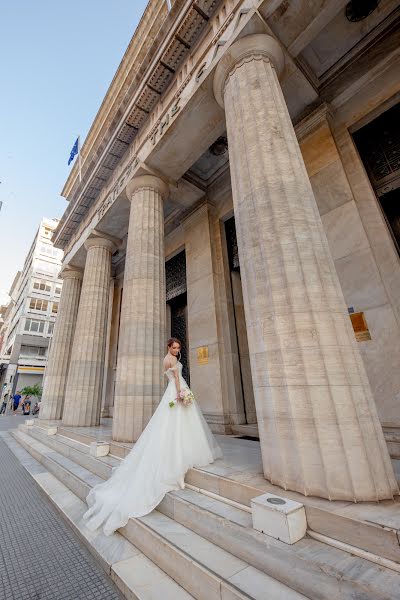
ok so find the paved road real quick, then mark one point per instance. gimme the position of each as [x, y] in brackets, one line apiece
[40, 556]
[10, 421]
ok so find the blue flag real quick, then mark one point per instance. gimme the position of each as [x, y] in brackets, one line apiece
[74, 151]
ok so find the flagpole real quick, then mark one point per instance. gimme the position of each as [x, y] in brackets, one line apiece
[79, 158]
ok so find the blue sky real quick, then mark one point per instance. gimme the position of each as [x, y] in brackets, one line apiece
[57, 60]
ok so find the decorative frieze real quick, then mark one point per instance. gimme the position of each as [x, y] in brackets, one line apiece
[121, 183]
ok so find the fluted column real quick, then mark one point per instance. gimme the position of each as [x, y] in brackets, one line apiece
[319, 430]
[85, 378]
[141, 347]
[61, 344]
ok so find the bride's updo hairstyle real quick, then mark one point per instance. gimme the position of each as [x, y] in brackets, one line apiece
[174, 340]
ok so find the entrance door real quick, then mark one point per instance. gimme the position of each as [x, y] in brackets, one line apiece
[175, 272]
[240, 323]
[378, 143]
[179, 329]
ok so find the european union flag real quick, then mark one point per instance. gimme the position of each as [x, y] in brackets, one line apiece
[75, 150]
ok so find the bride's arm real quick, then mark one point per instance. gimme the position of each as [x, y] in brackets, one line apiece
[177, 382]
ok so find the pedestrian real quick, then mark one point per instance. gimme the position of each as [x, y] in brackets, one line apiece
[27, 406]
[16, 399]
[4, 404]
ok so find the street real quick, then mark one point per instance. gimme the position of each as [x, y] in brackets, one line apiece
[40, 556]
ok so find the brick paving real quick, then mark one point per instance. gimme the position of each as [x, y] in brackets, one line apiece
[40, 556]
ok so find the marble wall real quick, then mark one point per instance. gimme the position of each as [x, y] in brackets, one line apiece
[358, 266]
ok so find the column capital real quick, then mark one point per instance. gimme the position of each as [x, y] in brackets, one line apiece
[147, 181]
[100, 242]
[71, 273]
[257, 44]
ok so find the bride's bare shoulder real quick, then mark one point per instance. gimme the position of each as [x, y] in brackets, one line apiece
[169, 362]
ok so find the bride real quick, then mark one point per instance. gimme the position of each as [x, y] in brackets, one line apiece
[176, 438]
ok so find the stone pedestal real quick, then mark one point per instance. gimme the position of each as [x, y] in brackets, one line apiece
[61, 345]
[281, 518]
[319, 430]
[141, 348]
[99, 449]
[85, 377]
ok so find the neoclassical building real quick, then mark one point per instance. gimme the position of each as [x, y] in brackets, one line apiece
[240, 190]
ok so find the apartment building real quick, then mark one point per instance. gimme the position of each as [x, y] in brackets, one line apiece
[31, 314]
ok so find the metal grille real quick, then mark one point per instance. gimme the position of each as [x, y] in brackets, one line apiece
[379, 146]
[179, 330]
[175, 275]
[231, 240]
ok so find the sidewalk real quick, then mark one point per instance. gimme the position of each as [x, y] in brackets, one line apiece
[40, 557]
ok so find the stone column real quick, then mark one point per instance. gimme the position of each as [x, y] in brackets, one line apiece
[61, 344]
[85, 377]
[111, 351]
[319, 430]
[141, 347]
[204, 322]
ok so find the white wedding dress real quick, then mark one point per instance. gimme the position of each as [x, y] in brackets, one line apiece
[174, 440]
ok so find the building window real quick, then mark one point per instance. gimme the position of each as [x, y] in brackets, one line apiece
[33, 352]
[50, 329]
[46, 267]
[38, 304]
[54, 308]
[34, 326]
[48, 250]
[42, 286]
[57, 291]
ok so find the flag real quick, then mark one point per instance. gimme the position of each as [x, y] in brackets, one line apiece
[74, 151]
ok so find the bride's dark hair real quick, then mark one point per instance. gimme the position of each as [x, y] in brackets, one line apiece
[173, 341]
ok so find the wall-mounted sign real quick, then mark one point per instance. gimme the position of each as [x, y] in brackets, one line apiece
[202, 355]
[360, 327]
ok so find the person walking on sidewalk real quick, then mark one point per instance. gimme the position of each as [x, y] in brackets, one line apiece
[4, 404]
[16, 399]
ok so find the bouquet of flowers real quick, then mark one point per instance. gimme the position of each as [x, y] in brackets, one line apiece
[185, 397]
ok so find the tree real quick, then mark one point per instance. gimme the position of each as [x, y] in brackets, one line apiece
[32, 390]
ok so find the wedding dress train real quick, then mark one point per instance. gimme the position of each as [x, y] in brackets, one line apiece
[175, 440]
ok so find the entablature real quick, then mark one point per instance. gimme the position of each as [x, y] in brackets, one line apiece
[173, 37]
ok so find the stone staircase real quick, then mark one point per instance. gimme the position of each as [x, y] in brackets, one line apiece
[196, 544]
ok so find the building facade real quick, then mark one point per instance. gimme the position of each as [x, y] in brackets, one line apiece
[240, 190]
[32, 311]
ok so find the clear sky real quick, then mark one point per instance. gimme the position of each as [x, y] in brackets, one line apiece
[57, 60]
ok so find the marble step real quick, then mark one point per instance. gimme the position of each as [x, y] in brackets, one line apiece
[76, 451]
[317, 570]
[117, 449]
[374, 527]
[137, 577]
[368, 526]
[230, 528]
[250, 430]
[204, 570]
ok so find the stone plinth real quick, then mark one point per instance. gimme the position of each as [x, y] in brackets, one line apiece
[99, 449]
[85, 378]
[56, 373]
[281, 518]
[319, 430]
[142, 343]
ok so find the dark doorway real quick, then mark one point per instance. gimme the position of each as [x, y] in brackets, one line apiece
[175, 271]
[240, 322]
[179, 329]
[378, 143]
